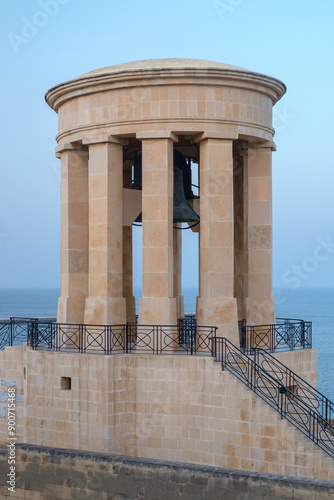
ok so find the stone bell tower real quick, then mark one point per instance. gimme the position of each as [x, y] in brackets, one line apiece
[217, 117]
[131, 139]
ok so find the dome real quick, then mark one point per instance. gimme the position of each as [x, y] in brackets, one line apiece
[154, 70]
[161, 64]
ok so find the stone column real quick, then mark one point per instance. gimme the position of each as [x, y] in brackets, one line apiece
[105, 303]
[127, 256]
[240, 227]
[259, 303]
[177, 269]
[128, 275]
[74, 234]
[216, 305]
[158, 304]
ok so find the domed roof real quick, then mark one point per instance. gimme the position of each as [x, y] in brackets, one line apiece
[155, 69]
[161, 64]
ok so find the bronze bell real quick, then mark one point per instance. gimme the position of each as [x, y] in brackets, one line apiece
[182, 211]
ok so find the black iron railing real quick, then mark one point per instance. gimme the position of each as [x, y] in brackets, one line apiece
[129, 338]
[15, 331]
[288, 404]
[285, 335]
[187, 329]
[296, 384]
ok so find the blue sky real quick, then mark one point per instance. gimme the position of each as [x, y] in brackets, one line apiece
[46, 42]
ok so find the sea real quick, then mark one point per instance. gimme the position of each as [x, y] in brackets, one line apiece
[309, 304]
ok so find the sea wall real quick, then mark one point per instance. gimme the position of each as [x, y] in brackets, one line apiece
[55, 474]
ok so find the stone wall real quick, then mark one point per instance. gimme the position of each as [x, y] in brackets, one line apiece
[56, 474]
[177, 408]
[303, 362]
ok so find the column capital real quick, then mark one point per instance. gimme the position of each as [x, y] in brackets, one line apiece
[102, 139]
[160, 134]
[228, 136]
[69, 146]
[258, 145]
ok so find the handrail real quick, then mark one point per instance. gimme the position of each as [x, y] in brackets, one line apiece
[125, 338]
[286, 335]
[16, 330]
[289, 405]
[305, 391]
[290, 320]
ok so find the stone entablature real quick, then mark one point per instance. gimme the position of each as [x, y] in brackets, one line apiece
[180, 95]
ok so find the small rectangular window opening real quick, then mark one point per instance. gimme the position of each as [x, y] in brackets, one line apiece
[65, 383]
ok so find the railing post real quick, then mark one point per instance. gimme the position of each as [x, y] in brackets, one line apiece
[53, 334]
[56, 337]
[326, 410]
[252, 375]
[81, 338]
[11, 330]
[213, 345]
[188, 336]
[302, 333]
[127, 338]
[107, 333]
[34, 333]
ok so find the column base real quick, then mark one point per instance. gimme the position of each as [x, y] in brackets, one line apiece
[157, 311]
[71, 310]
[220, 312]
[101, 311]
[260, 311]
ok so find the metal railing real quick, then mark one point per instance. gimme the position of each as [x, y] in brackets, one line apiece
[187, 330]
[288, 404]
[296, 384]
[285, 335]
[15, 331]
[129, 338]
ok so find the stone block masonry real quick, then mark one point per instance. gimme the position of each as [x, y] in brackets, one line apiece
[59, 474]
[175, 408]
